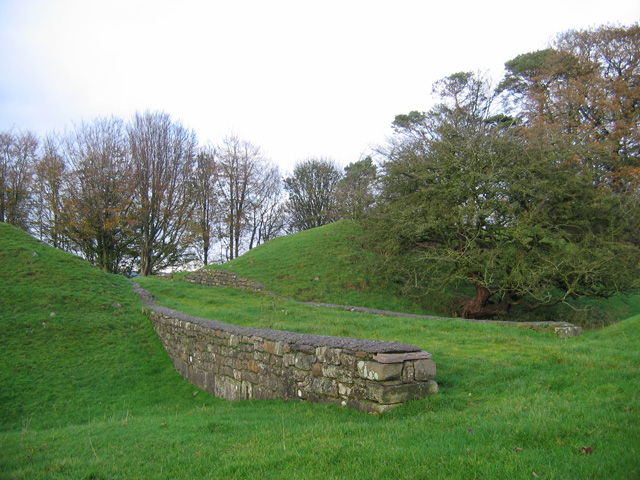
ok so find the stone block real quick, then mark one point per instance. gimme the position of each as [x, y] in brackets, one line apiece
[261, 393]
[258, 344]
[288, 359]
[272, 382]
[286, 389]
[246, 390]
[379, 371]
[210, 383]
[331, 371]
[408, 373]
[324, 386]
[180, 366]
[400, 357]
[269, 346]
[386, 394]
[251, 377]
[345, 376]
[348, 360]
[300, 375]
[424, 370]
[252, 365]
[228, 388]
[299, 347]
[303, 361]
[566, 332]
[329, 355]
[344, 390]
[320, 353]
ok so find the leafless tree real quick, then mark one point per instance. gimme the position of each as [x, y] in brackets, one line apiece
[267, 215]
[163, 154]
[49, 182]
[17, 156]
[245, 181]
[205, 201]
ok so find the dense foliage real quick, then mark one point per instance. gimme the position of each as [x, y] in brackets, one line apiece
[533, 208]
[311, 193]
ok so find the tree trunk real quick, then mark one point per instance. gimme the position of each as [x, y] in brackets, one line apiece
[479, 306]
[475, 308]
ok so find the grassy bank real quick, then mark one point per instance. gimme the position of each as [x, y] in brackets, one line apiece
[92, 394]
[326, 264]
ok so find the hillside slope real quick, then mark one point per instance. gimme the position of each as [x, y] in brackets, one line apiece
[326, 264]
[73, 339]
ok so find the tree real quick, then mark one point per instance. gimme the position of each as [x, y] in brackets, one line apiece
[267, 214]
[585, 90]
[98, 198]
[311, 193]
[356, 190]
[163, 154]
[469, 198]
[49, 182]
[204, 197]
[245, 179]
[18, 152]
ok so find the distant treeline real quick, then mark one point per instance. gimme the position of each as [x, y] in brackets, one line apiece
[528, 191]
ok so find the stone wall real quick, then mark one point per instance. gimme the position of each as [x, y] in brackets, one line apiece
[223, 278]
[238, 363]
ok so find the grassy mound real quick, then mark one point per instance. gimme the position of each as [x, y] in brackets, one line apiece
[325, 264]
[328, 264]
[74, 343]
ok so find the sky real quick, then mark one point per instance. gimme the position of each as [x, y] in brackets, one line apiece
[300, 79]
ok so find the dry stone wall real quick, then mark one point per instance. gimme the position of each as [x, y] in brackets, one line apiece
[223, 278]
[238, 363]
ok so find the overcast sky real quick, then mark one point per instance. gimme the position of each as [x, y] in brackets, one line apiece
[297, 78]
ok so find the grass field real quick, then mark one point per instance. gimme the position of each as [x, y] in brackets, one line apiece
[89, 393]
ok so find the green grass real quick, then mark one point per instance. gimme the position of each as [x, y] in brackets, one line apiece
[92, 394]
[329, 264]
[325, 264]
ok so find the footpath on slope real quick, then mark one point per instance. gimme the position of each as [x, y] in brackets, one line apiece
[225, 278]
[562, 329]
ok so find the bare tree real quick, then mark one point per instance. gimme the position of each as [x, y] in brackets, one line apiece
[205, 201]
[98, 198]
[49, 181]
[243, 176]
[17, 156]
[163, 153]
[267, 216]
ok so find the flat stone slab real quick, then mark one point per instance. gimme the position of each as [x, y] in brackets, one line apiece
[400, 357]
